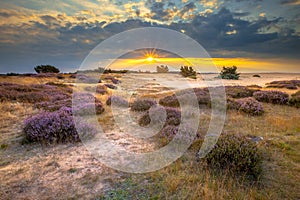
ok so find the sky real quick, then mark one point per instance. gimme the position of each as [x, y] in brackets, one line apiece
[255, 35]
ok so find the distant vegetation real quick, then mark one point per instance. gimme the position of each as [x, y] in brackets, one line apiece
[187, 71]
[162, 69]
[229, 73]
[46, 69]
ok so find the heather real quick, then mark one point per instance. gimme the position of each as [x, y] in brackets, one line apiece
[236, 154]
[239, 91]
[142, 104]
[184, 96]
[55, 127]
[247, 105]
[159, 114]
[295, 100]
[35, 93]
[272, 96]
[117, 100]
[288, 84]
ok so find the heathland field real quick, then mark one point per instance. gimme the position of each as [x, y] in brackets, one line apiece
[42, 157]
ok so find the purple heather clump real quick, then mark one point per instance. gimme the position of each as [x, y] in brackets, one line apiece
[83, 78]
[250, 106]
[88, 108]
[54, 127]
[111, 86]
[117, 100]
[169, 131]
[239, 91]
[272, 96]
[159, 114]
[170, 101]
[142, 104]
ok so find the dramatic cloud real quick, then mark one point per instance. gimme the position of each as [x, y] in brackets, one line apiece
[63, 33]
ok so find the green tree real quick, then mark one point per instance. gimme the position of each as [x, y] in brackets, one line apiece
[229, 73]
[46, 69]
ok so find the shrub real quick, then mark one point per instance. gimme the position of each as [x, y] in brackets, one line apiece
[291, 84]
[88, 108]
[55, 127]
[202, 95]
[116, 100]
[60, 76]
[46, 69]
[256, 75]
[239, 91]
[142, 104]
[295, 100]
[275, 97]
[170, 101]
[230, 73]
[112, 79]
[158, 114]
[236, 154]
[162, 69]
[111, 86]
[84, 78]
[250, 106]
[189, 72]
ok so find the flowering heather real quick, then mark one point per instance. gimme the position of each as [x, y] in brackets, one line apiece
[142, 104]
[295, 100]
[170, 101]
[236, 154]
[291, 84]
[88, 108]
[166, 115]
[111, 86]
[202, 94]
[117, 100]
[112, 79]
[250, 106]
[275, 97]
[83, 78]
[100, 89]
[239, 91]
[54, 127]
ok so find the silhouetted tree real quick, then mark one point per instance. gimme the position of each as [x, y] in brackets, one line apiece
[189, 72]
[162, 69]
[46, 69]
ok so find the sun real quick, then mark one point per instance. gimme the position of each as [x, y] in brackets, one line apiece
[150, 59]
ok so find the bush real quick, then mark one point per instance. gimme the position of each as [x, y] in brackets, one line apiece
[256, 75]
[230, 73]
[239, 91]
[295, 100]
[202, 95]
[170, 101]
[116, 100]
[275, 97]
[142, 104]
[162, 69]
[112, 79]
[236, 154]
[158, 114]
[291, 84]
[55, 127]
[111, 86]
[250, 106]
[46, 69]
[189, 72]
